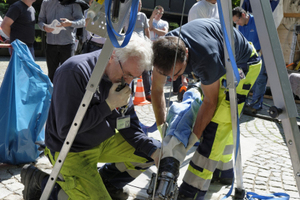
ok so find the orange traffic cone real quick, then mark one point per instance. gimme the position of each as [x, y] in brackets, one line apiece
[139, 97]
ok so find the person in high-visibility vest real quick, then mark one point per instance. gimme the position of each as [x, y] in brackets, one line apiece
[109, 132]
[199, 48]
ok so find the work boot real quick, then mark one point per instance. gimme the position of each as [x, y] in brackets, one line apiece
[114, 192]
[223, 177]
[32, 177]
[223, 181]
[249, 110]
[182, 197]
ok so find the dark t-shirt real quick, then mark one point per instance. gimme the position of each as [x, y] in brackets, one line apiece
[24, 22]
[204, 39]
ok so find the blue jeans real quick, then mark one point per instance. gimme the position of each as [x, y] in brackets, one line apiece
[259, 88]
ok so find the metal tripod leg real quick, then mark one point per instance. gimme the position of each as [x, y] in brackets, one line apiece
[227, 12]
[278, 77]
[293, 46]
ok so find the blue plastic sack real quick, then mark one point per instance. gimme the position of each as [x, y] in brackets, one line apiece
[25, 96]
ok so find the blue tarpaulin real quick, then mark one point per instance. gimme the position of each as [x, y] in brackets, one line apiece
[25, 96]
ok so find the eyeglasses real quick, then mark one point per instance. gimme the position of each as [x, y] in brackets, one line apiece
[159, 13]
[128, 75]
[236, 21]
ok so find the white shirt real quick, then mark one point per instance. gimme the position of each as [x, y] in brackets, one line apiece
[203, 9]
[161, 24]
[140, 25]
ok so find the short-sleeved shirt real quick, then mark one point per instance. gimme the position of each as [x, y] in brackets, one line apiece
[140, 24]
[160, 24]
[204, 39]
[203, 9]
[53, 9]
[250, 32]
[24, 22]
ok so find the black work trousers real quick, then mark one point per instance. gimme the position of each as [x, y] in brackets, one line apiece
[57, 55]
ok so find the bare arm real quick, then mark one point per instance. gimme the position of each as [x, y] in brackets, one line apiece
[6, 23]
[158, 97]
[147, 32]
[151, 19]
[160, 32]
[208, 107]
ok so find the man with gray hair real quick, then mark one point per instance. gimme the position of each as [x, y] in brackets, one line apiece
[100, 138]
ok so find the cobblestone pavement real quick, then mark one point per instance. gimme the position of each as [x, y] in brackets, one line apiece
[266, 162]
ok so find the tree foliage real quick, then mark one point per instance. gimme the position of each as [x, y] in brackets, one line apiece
[235, 3]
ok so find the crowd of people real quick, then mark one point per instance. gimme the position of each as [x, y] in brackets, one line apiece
[151, 51]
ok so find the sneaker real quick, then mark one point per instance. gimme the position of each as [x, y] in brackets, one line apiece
[32, 177]
[249, 110]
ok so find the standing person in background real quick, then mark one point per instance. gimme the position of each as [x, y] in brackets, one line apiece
[157, 26]
[60, 46]
[142, 29]
[19, 23]
[248, 29]
[204, 9]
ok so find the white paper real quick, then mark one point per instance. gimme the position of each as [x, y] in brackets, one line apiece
[54, 25]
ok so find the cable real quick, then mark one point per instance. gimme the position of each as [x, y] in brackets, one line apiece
[110, 29]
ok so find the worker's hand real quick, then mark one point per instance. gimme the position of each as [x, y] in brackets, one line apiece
[184, 81]
[154, 12]
[65, 22]
[155, 156]
[48, 30]
[118, 99]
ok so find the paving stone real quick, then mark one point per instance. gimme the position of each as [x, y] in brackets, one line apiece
[293, 195]
[14, 186]
[275, 184]
[276, 189]
[4, 193]
[260, 187]
[264, 173]
[251, 170]
[261, 179]
[13, 197]
[274, 178]
[249, 176]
